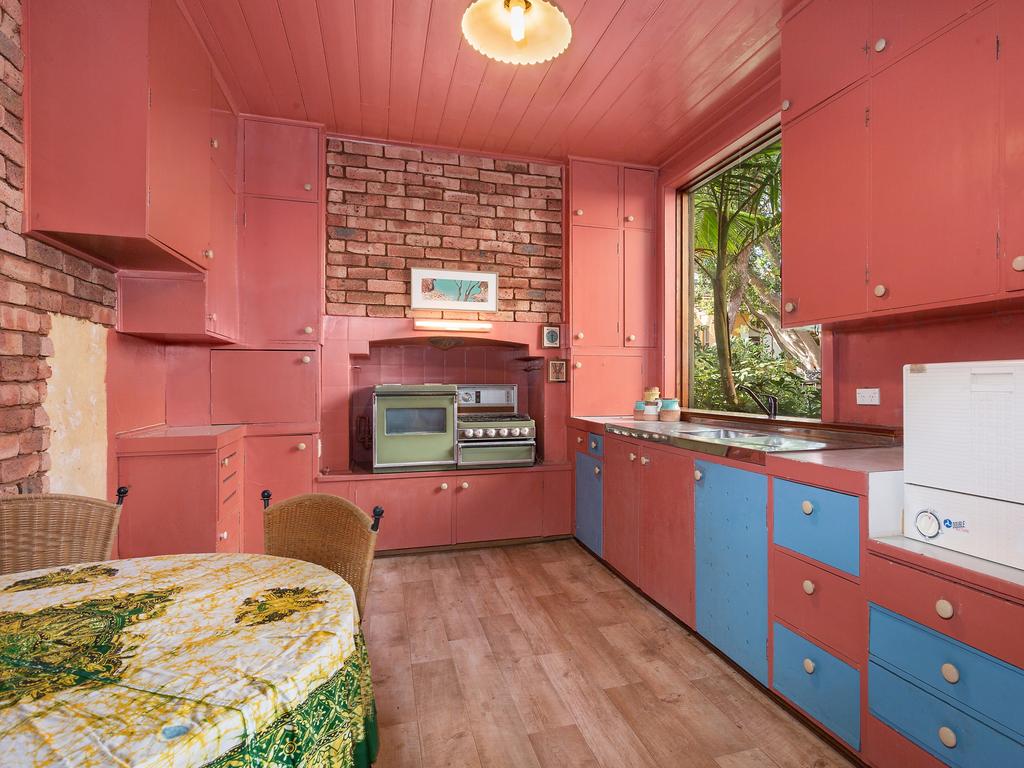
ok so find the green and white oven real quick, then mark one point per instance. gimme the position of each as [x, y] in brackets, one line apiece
[403, 427]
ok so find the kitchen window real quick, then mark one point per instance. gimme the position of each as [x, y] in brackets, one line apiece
[737, 350]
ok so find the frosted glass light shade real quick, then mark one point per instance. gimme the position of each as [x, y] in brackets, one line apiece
[487, 26]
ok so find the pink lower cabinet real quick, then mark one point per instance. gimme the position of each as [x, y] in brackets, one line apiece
[605, 385]
[557, 503]
[185, 486]
[417, 510]
[503, 506]
[622, 494]
[283, 464]
[252, 386]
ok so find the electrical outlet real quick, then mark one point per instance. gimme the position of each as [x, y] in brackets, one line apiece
[869, 397]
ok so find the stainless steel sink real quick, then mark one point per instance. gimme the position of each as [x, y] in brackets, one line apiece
[726, 434]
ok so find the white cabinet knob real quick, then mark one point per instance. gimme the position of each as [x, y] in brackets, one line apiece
[225, 462]
[880, 290]
[631, 218]
[597, 471]
[214, 144]
[593, 445]
[950, 673]
[308, 330]
[579, 439]
[880, 44]
[212, 317]
[208, 253]
[578, 211]
[697, 474]
[786, 104]
[301, 446]
[944, 608]
[947, 737]
[644, 460]
[306, 359]
[577, 365]
[631, 337]
[790, 307]
[1018, 264]
[807, 507]
[444, 486]
[465, 486]
[579, 335]
[308, 187]
[632, 457]
[808, 666]
[223, 535]
[808, 586]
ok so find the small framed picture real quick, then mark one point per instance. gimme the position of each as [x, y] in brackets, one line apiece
[551, 337]
[558, 370]
[451, 289]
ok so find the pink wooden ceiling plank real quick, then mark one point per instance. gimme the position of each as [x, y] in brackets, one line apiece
[462, 92]
[302, 28]
[373, 31]
[444, 40]
[267, 30]
[493, 91]
[221, 62]
[408, 45]
[341, 49]
[228, 22]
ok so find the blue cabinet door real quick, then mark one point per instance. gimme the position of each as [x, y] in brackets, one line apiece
[731, 536]
[589, 502]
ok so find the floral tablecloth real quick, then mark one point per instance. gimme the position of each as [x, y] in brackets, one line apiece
[181, 661]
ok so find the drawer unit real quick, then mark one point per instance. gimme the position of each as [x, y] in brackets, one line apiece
[577, 441]
[981, 620]
[972, 678]
[824, 525]
[595, 444]
[937, 726]
[820, 604]
[822, 685]
[229, 525]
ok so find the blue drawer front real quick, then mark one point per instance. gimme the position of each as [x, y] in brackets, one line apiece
[990, 686]
[731, 536]
[595, 444]
[830, 533]
[589, 503]
[919, 715]
[831, 694]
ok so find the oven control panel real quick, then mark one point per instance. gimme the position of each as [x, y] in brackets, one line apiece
[488, 395]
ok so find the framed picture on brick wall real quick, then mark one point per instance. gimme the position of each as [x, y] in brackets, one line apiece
[454, 290]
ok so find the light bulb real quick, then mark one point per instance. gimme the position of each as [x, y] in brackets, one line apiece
[517, 20]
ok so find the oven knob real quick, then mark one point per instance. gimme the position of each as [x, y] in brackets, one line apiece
[467, 433]
[515, 431]
[524, 431]
[492, 432]
[503, 432]
[478, 432]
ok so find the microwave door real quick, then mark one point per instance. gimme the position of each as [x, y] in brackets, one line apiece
[413, 431]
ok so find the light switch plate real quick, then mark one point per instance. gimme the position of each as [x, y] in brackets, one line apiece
[869, 397]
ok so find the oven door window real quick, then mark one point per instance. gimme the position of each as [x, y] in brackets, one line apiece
[415, 421]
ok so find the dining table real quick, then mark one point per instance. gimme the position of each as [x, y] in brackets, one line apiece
[184, 661]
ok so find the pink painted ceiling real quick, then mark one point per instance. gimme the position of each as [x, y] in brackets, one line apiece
[640, 78]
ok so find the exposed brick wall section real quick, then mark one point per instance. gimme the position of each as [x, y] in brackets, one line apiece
[391, 208]
[35, 280]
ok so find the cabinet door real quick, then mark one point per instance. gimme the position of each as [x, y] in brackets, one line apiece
[223, 136]
[417, 511]
[280, 270]
[823, 51]
[666, 531]
[933, 152]
[606, 385]
[1011, 30]
[640, 288]
[281, 160]
[179, 133]
[825, 200]
[222, 261]
[283, 464]
[596, 287]
[899, 25]
[557, 503]
[731, 542]
[589, 503]
[622, 508]
[638, 198]
[493, 507]
[594, 194]
[249, 386]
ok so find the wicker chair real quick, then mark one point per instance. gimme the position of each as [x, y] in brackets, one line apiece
[326, 530]
[47, 530]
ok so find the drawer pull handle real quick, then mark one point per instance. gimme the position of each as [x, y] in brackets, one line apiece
[579, 440]
[579, 211]
[465, 486]
[644, 460]
[632, 457]
[697, 474]
[223, 536]
[301, 446]
[947, 737]
[308, 187]
[944, 608]
[808, 587]
[577, 365]
[444, 486]
[631, 337]
[593, 445]
[597, 471]
[225, 462]
[306, 359]
[807, 507]
[950, 673]
[808, 666]
[790, 307]
[308, 330]
[1018, 264]
[631, 218]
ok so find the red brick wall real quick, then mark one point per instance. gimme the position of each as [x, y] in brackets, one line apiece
[391, 208]
[35, 280]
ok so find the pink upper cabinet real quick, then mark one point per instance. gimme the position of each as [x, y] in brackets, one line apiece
[281, 160]
[1012, 74]
[250, 386]
[594, 197]
[223, 136]
[639, 288]
[596, 287]
[638, 209]
[899, 25]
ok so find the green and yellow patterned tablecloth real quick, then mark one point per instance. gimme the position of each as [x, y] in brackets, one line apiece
[182, 661]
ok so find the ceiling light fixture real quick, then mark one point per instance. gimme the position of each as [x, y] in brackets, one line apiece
[517, 31]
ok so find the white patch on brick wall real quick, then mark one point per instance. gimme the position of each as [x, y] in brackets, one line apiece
[76, 403]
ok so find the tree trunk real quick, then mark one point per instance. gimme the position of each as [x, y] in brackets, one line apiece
[723, 340]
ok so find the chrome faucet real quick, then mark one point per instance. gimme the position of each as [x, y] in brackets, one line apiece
[771, 408]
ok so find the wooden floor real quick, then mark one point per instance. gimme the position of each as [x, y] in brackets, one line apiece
[537, 656]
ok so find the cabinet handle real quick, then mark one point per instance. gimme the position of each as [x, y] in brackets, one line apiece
[301, 446]
[465, 486]
[223, 535]
[808, 587]
[593, 445]
[444, 486]
[308, 187]
[880, 44]
[578, 211]
[224, 462]
[786, 104]
[578, 439]
[880, 290]
[577, 365]
[306, 359]
[308, 330]
[944, 608]
[697, 474]
[950, 673]
[807, 507]
[631, 337]
[809, 666]
[632, 457]
[631, 218]
[579, 335]
[208, 253]
[214, 143]
[597, 471]
[212, 317]
[644, 460]
[790, 307]
[947, 737]
[1018, 264]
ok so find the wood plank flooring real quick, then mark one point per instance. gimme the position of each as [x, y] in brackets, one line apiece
[536, 656]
